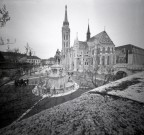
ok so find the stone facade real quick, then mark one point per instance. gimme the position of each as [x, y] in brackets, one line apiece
[65, 42]
[130, 54]
[98, 50]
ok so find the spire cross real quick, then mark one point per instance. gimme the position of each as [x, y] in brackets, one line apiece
[104, 28]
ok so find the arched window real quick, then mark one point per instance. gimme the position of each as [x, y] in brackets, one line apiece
[92, 52]
[92, 61]
[98, 51]
[103, 60]
[108, 50]
[103, 50]
[98, 60]
[112, 50]
[108, 60]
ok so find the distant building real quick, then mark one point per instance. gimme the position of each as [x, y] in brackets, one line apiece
[13, 57]
[51, 61]
[44, 61]
[129, 54]
[33, 60]
[48, 62]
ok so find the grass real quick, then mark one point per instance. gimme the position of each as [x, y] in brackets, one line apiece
[88, 114]
[124, 85]
[14, 101]
[48, 102]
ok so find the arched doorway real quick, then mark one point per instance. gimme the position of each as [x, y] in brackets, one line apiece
[120, 74]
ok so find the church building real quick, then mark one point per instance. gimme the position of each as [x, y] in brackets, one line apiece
[96, 51]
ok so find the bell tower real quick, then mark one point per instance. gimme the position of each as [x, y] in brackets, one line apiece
[65, 34]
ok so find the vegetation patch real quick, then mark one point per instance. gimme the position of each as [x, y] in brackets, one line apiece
[88, 114]
[14, 101]
[124, 85]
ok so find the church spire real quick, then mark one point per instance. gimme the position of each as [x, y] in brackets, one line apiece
[88, 32]
[66, 18]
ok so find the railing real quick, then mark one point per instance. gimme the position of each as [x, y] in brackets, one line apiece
[129, 66]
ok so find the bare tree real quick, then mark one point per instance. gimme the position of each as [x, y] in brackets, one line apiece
[92, 76]
[16, 50]
[4, 16]
[27, 48]
[109, 76]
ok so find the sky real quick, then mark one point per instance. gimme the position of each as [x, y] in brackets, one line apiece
[39, 22]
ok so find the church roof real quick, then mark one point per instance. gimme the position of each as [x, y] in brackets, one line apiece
[32, 57]
[83, 45]
[102, 38]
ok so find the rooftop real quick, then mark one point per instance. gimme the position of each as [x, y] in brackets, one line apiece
[129, 47]
[32, 57]
[102, 38]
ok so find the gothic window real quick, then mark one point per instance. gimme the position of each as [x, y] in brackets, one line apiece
[92, 62]
[98, 60]
[103, 50]
[66, 37]
[66, 44]
[108, 50]
[108, 60]
[98, 51]
[103, 60]
[92, 52]
[112, 50]
[79, 62]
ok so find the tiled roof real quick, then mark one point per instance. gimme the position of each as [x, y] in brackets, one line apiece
[83, 45]
[102, 38]
[32, 57]
[128, 47]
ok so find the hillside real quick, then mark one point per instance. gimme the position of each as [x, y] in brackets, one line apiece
[109, 109]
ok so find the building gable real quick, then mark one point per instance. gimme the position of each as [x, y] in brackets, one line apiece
[101, 38]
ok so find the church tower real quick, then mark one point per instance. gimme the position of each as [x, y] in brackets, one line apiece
[65, 34]
[88, 32]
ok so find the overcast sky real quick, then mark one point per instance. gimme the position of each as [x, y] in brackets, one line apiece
[39, 22]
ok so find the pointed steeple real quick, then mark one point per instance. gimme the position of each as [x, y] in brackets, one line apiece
[77, 36]
[88, 32]
[65, 22]
[76, 39]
